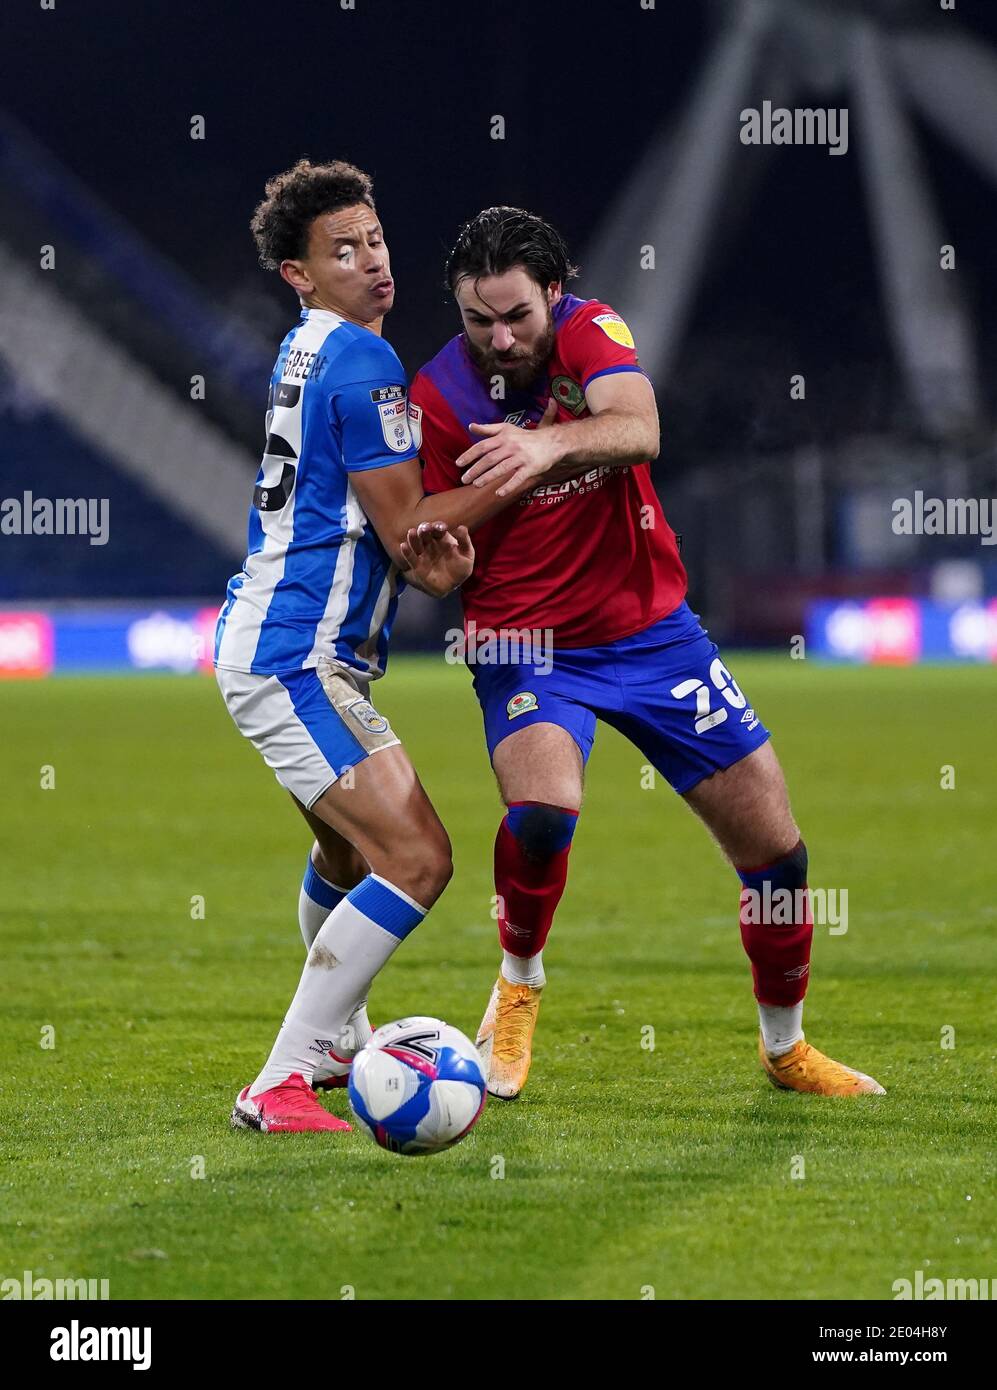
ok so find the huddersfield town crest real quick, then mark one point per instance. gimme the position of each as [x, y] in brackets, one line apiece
[368, 718]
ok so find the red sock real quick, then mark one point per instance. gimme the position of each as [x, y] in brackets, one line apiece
[777, 927]
[531, 869]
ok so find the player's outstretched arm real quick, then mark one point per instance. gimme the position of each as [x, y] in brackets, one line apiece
[394, 499]
[622, 430]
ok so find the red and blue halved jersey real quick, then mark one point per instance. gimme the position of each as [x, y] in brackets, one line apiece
[592, 559]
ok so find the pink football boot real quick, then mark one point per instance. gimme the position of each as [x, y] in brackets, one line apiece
[291, 1108]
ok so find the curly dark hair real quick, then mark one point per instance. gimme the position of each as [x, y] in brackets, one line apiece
[499, 238]
[295, 198]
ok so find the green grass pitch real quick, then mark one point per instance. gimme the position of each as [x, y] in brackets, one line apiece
[621, 1170]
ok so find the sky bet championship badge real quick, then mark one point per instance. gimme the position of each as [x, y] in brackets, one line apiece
[614, 327]
[521, 703]
[392, 406]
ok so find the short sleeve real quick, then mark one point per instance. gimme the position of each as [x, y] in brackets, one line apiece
[373, 423]
[438, 437]
[595, 342]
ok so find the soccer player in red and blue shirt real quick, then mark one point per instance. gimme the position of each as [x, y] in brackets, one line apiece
[579, 591]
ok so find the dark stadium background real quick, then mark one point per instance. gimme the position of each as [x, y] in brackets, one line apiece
[95, 112]
[151, 864]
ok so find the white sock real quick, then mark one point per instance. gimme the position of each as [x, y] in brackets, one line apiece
[315, 901]
[355, 1034]
[353, 944]
[524, 970]
[360, 1025]
[782, 1027]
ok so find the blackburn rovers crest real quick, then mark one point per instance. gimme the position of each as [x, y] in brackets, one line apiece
[568, 394]
[521, 703]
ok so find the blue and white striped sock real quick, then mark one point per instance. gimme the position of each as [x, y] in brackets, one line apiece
[354, 942]
[316, 900]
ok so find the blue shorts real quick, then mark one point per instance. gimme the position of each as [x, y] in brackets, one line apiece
[665, 689]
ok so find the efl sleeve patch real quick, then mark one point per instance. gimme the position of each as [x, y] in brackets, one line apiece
[373, 424]
[395, 424]
[614, 327]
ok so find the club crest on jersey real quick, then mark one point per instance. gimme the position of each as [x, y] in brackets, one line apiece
[568, 394]
[395, 423]
[368, 718]
[614, 327]
[521, 703]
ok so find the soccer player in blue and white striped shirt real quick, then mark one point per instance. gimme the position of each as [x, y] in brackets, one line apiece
[338, 515]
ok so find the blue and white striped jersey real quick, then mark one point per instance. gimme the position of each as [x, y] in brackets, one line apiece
[317, 580]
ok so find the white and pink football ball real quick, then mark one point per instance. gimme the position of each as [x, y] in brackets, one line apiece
[418, 1086]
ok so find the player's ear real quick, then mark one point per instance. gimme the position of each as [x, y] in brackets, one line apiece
[296, 276]
[553, 292]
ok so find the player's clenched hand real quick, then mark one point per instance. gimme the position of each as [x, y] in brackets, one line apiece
[510, 454]
[436, 558]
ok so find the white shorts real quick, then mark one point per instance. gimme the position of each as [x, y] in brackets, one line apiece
[311, 725]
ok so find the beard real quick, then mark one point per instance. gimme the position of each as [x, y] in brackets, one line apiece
[518, 369]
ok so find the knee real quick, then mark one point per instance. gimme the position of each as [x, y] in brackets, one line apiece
[346, 867]
[541, 831]
[423, 869]
[438, 868]
[432, 874]
[785, 871]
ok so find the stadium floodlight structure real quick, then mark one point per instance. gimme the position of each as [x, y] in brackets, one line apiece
[789, 51]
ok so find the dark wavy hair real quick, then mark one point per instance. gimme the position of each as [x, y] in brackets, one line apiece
[499, 238]
[295, 198]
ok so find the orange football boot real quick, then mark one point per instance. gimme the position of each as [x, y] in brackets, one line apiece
[803, 1068]
[505, 1038]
